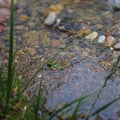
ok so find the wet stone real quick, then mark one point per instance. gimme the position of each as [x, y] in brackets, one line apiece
[82, 79]
[40, 50]
[50, 20]
[117, 46]
[110, 41]
[86, 63]
[101, 39]
[92, 35]
[116, 33]
[56, 43]
[77, 26]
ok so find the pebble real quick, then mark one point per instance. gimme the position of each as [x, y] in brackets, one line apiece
[116, 33]
[110, 41]
[4, 14]
[6, 3]
[117, 46]
[92, 35]
[57, 22]
[51, 18]
[101, 39]
[114, 3]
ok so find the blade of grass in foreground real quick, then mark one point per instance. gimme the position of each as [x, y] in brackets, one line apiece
[68, 105]
[104, 107]
[39, 99]
[74, 115]
[114, 69]
[10, 61]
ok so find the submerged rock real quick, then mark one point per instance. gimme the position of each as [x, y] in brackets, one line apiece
[5, 10]
[115, 4]
[117, 46]
[4, 14]
[6, 3]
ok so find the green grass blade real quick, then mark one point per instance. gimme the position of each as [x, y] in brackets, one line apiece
[74, 115]
[10, 61]
[104, 107]
[68, 105]
[39, 99]
[114, 68]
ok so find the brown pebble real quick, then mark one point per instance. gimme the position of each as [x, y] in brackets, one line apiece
[110, 41]
[72, 32]
[56, 43]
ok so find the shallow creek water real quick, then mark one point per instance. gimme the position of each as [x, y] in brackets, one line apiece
[86, 63]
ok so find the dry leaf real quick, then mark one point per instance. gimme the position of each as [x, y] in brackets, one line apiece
[23, 17]
[57, 8]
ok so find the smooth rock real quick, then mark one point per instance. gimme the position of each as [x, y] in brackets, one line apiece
[6, 3]
[101, 39]
[51, 18]
[117, 46]
[4, 14]
[92, 35]
[110, 41]
[114, 3]
[57, 22]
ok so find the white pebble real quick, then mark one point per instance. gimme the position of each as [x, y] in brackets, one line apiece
[57, 22]
[101, 39]
[50, 20]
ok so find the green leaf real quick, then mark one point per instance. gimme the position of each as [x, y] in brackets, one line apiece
[57, 65]
[74, 115]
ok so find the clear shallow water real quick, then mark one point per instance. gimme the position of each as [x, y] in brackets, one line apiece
[81, 80]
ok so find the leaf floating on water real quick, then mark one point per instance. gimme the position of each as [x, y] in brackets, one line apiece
[22, 52]
[76, 1]
[85, 31]
[32, 51]
[1, 27]
[57, 8]
[72, 32]
[23, 17]
[55, 65]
